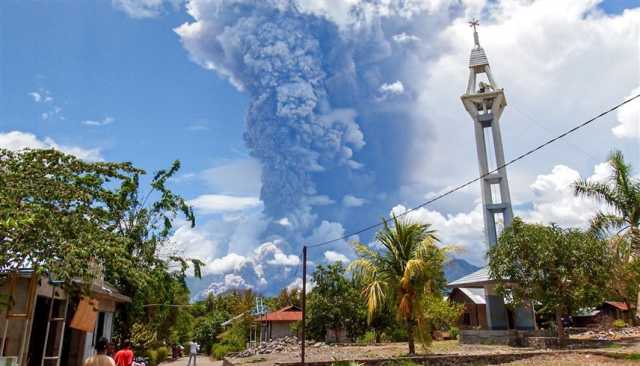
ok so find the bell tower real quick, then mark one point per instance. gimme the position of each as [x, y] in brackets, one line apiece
[485, 101]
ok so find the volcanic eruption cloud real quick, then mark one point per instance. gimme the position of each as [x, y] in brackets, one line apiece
[329, 117]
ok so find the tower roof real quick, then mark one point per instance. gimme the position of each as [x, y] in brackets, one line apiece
[478, 57]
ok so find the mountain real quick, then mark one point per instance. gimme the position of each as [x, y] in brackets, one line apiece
[457, 268]
[199, 288]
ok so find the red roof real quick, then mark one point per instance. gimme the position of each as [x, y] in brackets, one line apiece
[618, 304]
[287, 314]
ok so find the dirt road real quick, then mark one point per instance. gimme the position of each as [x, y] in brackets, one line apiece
[202, 361]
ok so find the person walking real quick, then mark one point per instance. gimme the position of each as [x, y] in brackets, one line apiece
[193, 352]
[100, 358]
[124, 357]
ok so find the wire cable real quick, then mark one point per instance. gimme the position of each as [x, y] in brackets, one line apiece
[461, 186]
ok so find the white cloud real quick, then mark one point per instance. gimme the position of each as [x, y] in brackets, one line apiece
[553, 202]
[537, 69]
[18, 140]
[230, 282]
[270, 253]
[352, 201]
[193, 243]
[37, 97]
[236, 177]
[332, 257]
[395, 88]
[339, 11]
[404, 38]
[629, 119]
[284, 221]
[463, 230]
[219, 203]
[97, 123]
[145, 8]
[229, 263]
[319, 200]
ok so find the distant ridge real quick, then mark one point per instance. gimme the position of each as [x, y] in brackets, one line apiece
[199, 288]
[457, 268]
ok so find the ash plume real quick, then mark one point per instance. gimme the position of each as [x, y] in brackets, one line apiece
[330, 117]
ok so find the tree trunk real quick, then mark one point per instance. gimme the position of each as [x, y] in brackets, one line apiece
[560, 326]
[411, 337]
[378, 336]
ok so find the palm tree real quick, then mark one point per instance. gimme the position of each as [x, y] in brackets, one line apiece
[408, 266]
[621, 193]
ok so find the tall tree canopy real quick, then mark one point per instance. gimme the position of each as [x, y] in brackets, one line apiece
[408, 267]
[74, 219]
[560, 269]
[56, 214]
[334, 304]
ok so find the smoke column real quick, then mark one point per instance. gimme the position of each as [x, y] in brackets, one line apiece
[329, 117]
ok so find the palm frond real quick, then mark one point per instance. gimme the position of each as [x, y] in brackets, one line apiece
[414, 269]
[362, 269]
[601, 192]
[604, 221]
[374, 293]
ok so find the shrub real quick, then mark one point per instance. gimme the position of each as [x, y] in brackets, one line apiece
[218, 350]
[368, 338]
[153, 357]
[454, 332]
[619, 324]
[163, 352]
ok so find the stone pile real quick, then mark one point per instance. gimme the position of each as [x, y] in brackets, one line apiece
[284, 344]
[610, 334]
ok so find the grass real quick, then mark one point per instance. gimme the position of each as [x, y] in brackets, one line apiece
[633, 357]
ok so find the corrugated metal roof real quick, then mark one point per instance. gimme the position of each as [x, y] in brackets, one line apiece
[474, 294]
[478, 278]
[618, 304]
[287, 314]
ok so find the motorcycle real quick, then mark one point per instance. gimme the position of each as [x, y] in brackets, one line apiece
[140, 361]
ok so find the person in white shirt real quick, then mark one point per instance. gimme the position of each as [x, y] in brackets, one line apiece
[193, 352]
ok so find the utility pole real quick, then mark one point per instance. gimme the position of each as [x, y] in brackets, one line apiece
[304, 299]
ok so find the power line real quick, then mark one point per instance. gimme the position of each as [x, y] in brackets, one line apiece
[453, 190]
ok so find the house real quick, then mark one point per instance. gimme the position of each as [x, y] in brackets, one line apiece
[39, 324]
[474, 315]
[604, 314]
[278, 324]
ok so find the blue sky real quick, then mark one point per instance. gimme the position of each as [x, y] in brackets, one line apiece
[100, 63]
[348, 114]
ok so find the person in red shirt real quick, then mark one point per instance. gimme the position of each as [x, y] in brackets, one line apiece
[124, 357]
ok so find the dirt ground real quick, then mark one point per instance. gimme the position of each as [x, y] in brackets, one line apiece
[390, 350]
[573, 360]
[201, 361]
[387, 350]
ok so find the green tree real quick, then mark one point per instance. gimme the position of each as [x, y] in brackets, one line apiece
[55, 214]
[408, 267]
[76, 219]
[440, 313]
[333, 304]
[561, 269]
[145, 220]
[621, 193]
